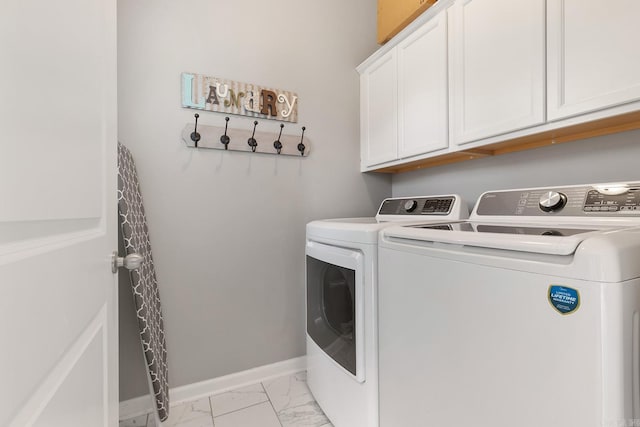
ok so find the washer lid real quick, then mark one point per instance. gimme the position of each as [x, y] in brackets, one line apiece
[533, 238]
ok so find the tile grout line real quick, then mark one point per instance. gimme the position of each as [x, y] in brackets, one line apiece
[213, 416]
[213, 419]
[240, 409]
[271, 403]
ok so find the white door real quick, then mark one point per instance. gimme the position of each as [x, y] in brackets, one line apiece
[497, 51]
[593, 55]
[422, 89]
[379, 111]
[58, 324]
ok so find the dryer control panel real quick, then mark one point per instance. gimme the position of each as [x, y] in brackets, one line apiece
[417, 206]
[583, 201]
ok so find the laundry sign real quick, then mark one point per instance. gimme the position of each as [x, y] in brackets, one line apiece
[246, 99]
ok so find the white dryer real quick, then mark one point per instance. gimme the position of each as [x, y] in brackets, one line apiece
[527, 314]
[341, 267]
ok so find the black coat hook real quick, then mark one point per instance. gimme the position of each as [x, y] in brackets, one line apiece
[224, 138]
[195, 136]
[252, 141]
[301, 146]
[277, 144]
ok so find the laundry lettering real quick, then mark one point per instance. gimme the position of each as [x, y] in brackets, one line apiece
[215, 94]
[288, 105]
[187, 93]
[234, 100]
[268, 103]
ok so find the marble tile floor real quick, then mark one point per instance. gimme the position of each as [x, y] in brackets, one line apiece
[280, 402]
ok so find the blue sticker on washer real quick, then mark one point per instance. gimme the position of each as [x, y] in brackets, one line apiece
[565, 300]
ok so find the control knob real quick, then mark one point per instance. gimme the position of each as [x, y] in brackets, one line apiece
[552, 201]
[410, 205]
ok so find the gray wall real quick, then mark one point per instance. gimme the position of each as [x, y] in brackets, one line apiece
[228, 228]
[602, 159]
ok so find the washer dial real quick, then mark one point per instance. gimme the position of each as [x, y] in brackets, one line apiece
[552, 201]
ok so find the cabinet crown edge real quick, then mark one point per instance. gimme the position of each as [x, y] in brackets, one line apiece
[426, 16]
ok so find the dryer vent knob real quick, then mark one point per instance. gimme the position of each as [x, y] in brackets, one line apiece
[552, 201]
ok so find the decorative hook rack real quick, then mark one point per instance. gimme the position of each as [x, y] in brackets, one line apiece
[249, 140]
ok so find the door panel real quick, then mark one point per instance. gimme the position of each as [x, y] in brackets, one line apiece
[73, 394]
[593, 60]
[422, 90]
[58, 212]
[379, 127]
[53, 104]
[77, 400]
[497, 67]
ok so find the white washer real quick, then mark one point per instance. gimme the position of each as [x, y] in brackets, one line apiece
[526, 315]
[342, 304]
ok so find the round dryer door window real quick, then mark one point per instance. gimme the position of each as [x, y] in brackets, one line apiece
[338, 301]
[331, 318]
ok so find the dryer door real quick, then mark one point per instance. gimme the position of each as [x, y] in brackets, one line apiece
[334, 304]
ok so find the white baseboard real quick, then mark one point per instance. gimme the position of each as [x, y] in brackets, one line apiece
[143, 404]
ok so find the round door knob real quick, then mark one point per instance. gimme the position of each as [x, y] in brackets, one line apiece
[552, 201]
[410, 205]
[130, 262]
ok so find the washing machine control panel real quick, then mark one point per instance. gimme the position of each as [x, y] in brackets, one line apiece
[627, 201]
[584, 201]
[417, 206]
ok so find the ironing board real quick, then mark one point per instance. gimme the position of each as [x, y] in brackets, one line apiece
[143, 280]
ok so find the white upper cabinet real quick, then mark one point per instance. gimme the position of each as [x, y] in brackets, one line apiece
[593, 55]
[378, 111]
[497, 54]
[488, 75]
[404, 93]
[422, 89]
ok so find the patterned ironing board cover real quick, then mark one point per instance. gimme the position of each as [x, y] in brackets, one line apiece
[143, 280]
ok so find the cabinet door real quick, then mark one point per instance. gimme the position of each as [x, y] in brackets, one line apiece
[422, 89]
[497, 67]
[379, 122]
[593, 55]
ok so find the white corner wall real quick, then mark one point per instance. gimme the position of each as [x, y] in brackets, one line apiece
[228, 228]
